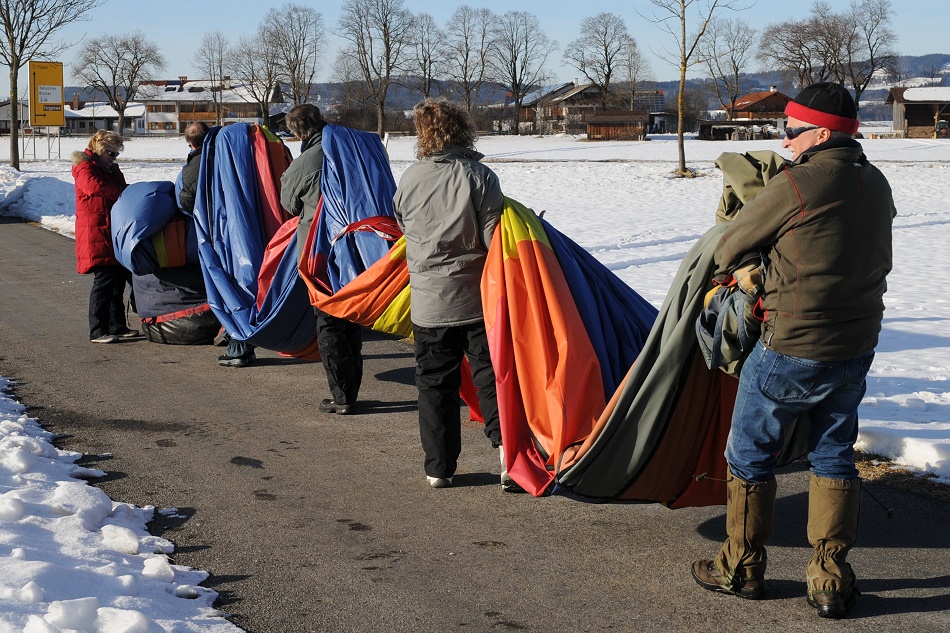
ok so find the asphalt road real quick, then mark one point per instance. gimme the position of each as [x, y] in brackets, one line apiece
[318, 522]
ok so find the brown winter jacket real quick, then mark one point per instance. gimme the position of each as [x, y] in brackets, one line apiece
[825, 224]
[97, 189]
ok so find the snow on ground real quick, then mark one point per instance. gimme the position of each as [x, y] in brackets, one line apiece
[618, 200]
[72, 559]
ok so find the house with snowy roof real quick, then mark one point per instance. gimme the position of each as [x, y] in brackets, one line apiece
[6, 115]
[85, 118]
[764, 104]
[919, 111]
[171, 105]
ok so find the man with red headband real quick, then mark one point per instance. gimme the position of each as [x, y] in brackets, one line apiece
[824, 224]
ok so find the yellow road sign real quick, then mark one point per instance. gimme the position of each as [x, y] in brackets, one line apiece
[47, 107]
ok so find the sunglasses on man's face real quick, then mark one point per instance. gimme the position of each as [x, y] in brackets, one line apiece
[113, 154]
[791, 133]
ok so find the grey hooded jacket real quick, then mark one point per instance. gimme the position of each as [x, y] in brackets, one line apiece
[448, 206]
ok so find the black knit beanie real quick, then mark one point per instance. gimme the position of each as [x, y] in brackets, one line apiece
[825, 104]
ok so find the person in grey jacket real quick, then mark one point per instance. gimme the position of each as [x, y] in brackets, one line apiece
[340, 341]
[825, 223]
[448, 205]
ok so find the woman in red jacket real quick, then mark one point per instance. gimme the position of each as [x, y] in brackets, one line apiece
[98, 185]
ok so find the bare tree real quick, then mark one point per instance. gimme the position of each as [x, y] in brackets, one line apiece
[934, 72]
[210, 60]
[379, 33]
[870, 44]
[426, 56]
[727, 50]
[517, 60]
[634, 69]
[827, 36]
[116, 65]
[348, 74]
[598, 52]
[28, 26]
[296, 33]
[468, 44]
[845, 47]
[357, 108]
[254, 64]
[897, 73]
[686, 23]
[787, 48]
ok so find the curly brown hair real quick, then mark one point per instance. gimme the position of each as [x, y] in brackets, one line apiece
[441, 124]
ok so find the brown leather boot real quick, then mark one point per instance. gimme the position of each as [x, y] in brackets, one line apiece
[739, 568]
[833, 509]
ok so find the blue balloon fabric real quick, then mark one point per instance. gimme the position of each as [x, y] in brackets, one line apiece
[618, 320]
[143, 209]
[231, 246]
[354, 188]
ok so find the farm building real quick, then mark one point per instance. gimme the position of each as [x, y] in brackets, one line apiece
[919, 111]
[768, 104]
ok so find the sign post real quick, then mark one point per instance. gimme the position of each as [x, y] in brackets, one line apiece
[47, 105]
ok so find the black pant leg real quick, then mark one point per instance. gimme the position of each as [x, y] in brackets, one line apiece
[354, 338]
[438, 377]
[237, 347]
[341, 350]
[106, 300]
[483, 375]
[118, 323]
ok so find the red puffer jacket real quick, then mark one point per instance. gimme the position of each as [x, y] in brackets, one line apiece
[96, 192]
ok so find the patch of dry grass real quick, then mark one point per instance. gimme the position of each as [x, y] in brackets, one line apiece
[879, 470]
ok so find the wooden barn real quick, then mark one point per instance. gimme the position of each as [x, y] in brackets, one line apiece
[617, 125]
[917, 111]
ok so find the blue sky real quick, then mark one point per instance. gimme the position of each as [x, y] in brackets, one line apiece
[921, 26]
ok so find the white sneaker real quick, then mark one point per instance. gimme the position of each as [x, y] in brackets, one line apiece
[507, 483]
[439, 482]
[105, 338]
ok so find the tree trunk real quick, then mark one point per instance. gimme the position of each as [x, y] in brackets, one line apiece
[681, 102]
[14, 116]
[380, 117]
[121, 122]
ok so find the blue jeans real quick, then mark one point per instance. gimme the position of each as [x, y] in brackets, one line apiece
[773, 390]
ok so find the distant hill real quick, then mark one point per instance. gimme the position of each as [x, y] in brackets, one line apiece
[923, 65]
[85, 94]
[403, 95]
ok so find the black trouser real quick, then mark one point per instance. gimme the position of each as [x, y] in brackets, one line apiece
[439, 354]
[107, 301]
[341, 344]
[238, 348]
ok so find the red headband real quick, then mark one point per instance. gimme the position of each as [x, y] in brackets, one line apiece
[822, 119]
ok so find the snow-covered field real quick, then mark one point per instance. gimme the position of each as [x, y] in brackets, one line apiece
[618, 200]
